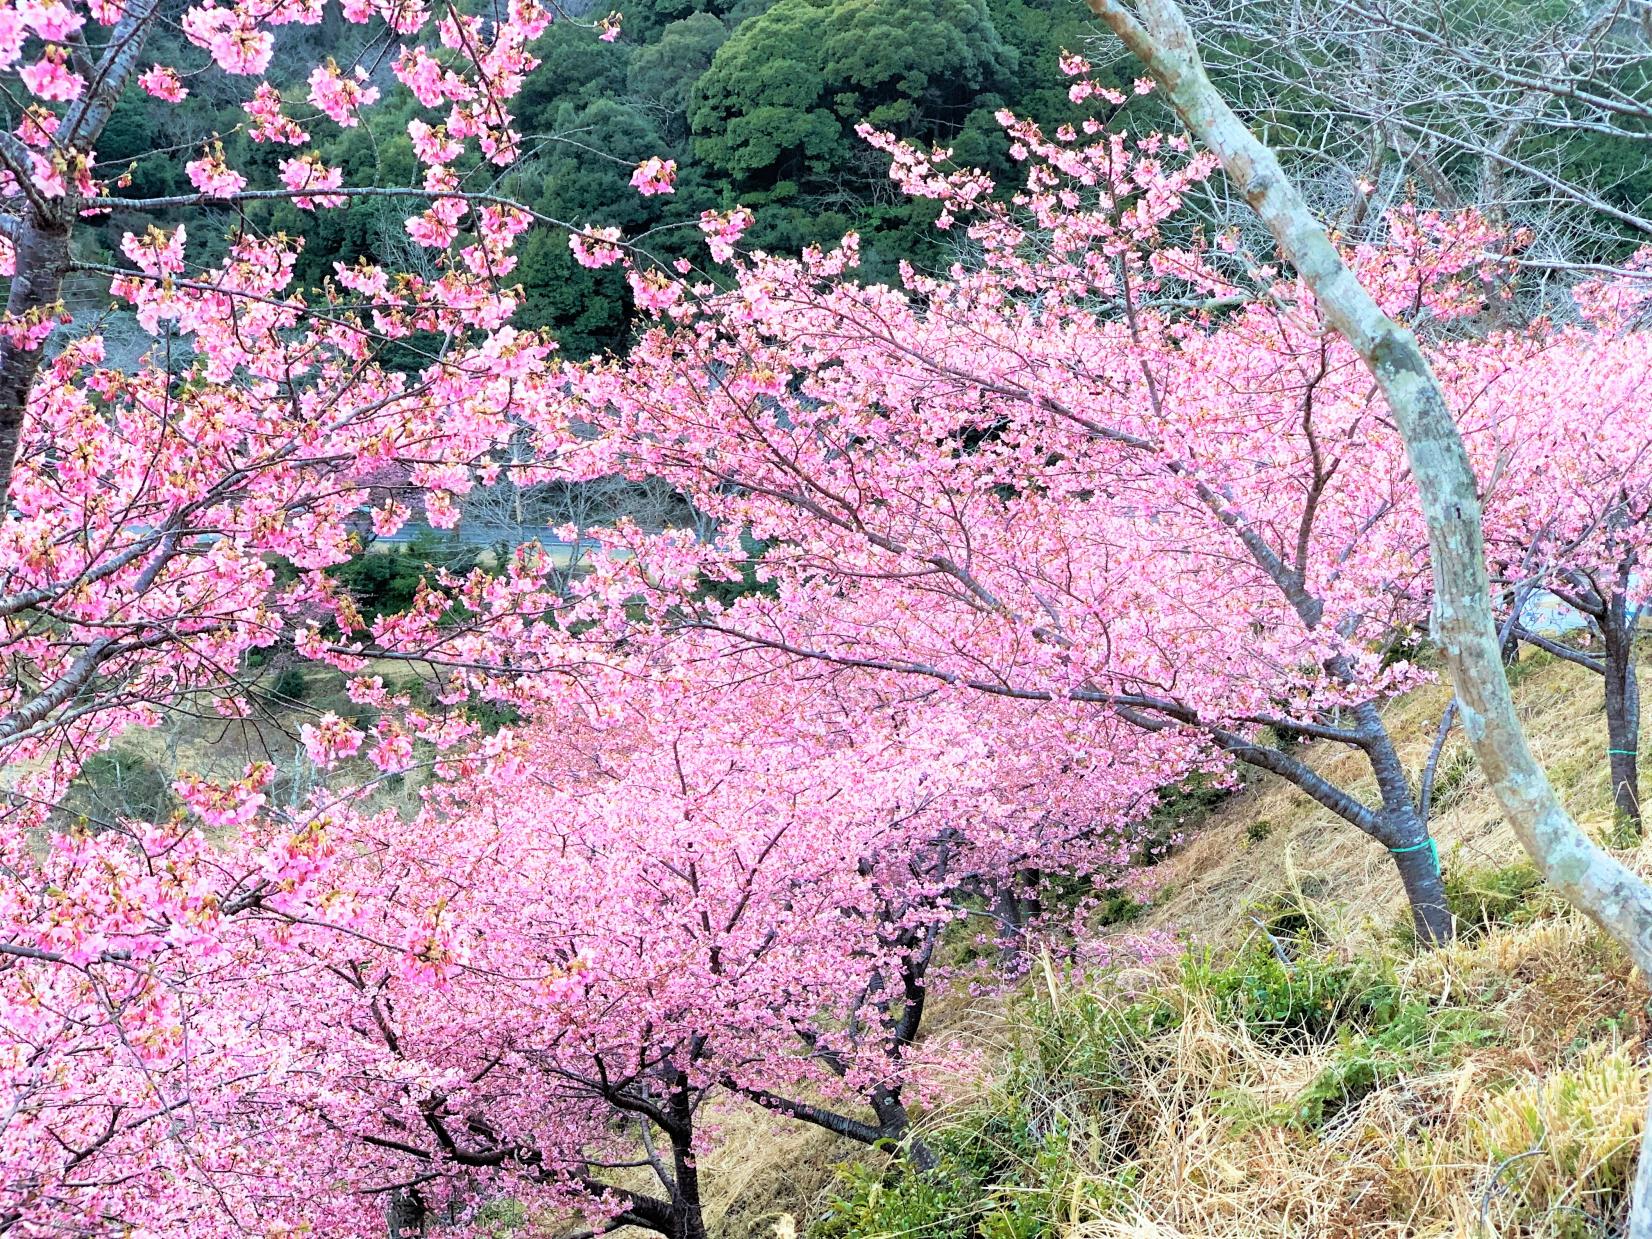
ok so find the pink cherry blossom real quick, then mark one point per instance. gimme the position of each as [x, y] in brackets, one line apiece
[330, 740]
[432, 144]
[340, 97]
[51, 78]
[308, 172]
[595, 247]
[53, 21]
[654, 176]
[231, 36]
[212, 176]
[163, 83]
[723, 229]
[270, 123]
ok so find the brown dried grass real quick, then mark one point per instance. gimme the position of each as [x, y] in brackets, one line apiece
[1517, 1138]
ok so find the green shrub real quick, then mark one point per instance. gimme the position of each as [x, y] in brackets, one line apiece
[1482, 897]
[1089, 1040]
[120, 784]
[1114, 907]
[1414, 1039]
[1529, 664]
[1622, 832]
[1304, 999]
[996, 1179]
[1007, 1166]
[490, 716]
[289, 687]
[502, 1219]
[1292, 914]
[1259, 830]
[1453, 776]
[384, 581]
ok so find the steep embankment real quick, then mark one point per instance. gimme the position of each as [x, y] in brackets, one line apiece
[1302, 1070]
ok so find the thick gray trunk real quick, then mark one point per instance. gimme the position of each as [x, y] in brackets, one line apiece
[42, 238]
[1401, 828]
[895, 1126]
[405, 1215]
[1623, 722]
[1418, 862]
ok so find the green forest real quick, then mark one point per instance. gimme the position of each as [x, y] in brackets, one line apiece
[755, 101]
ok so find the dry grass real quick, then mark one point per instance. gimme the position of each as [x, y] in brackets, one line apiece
[1533, 1135]
[1521, 1137]
[1208, 883]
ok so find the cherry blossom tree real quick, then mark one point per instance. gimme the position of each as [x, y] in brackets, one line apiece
[597, 926]
[151, 504]
[1598, 884]
[171, 517]
[1568, 510]
[1111, 463]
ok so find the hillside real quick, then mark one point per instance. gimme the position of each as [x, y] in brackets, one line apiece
[1301, 1069]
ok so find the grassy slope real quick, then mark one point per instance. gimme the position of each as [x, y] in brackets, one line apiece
[1493, 1088]
[1208, 882]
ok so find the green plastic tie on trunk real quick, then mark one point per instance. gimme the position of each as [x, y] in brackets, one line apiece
[1433, 850]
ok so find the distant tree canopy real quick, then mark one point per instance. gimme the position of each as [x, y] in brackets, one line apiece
[785, 92]
[756, 101]
[776, 111]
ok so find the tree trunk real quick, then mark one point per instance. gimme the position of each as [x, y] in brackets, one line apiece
[405, 1215]
[1010, 918]
[895, 1125]
[1600, 886]
[687, 1212]
[1403, 831]
[36, 293]
[1623, 723]
[1418, 862]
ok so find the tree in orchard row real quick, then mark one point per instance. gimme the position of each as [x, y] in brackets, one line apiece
[1598, 884]
[146, 502]
[593, 930]
[149, 506]
[1111, 463]
[1571, 508]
